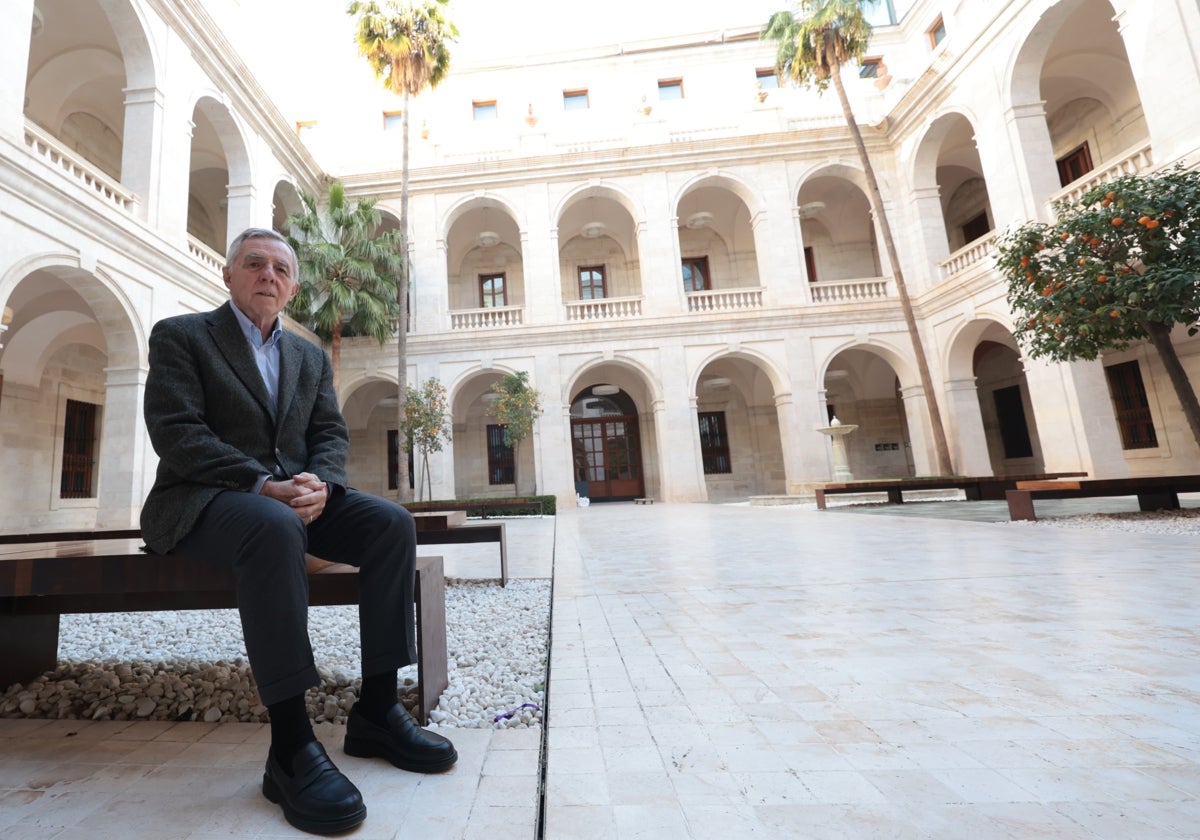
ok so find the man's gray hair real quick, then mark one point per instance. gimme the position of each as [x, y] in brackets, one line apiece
[235, 247]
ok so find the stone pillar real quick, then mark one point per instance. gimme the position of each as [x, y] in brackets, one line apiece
[927, 206]
[543, 288]
[919, 431]
[1075, 423]
[662, 276]
[969, 442]
[1034, 175]
[1161, 42]
[124, 445]
[141, 153]
[555, 466]
[240, 213]
[14, 66]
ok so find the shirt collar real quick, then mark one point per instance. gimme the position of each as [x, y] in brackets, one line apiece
[252, 332]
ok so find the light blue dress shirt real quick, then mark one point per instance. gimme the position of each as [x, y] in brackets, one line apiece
[266, 356]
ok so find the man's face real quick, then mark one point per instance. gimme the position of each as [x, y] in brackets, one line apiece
[261, 280]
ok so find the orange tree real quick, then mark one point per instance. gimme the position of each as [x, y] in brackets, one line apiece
[1121, 264]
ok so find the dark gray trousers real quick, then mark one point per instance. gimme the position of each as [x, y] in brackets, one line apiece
[265, 542]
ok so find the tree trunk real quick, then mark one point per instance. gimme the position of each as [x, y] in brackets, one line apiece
[941, 448]
[402, 490]
[335, 352]
[1160, 337]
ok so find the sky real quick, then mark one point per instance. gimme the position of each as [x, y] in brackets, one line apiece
[322, 55]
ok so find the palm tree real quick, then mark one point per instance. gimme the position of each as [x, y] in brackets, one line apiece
[811, 51]
[348, 270]
[406, 43]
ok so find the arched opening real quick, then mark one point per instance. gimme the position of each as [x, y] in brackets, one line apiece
[606, 445]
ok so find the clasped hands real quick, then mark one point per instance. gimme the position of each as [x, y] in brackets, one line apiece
[304, 493]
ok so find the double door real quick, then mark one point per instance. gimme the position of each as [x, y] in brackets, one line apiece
[608, 456]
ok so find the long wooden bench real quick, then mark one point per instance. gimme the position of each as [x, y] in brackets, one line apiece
[482, 508]
[451, 528]
[42, 579]
[975, 487]
[1153, 492]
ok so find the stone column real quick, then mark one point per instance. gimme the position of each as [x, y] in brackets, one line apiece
[124, 447]
[1151, 33]
[543, 288]
[662, 276]
[927, 206]
[14, 66]
[917, 414]
[970, 441]
[240, 214]
[1034, 175]
[1075, 423]
[141, 153]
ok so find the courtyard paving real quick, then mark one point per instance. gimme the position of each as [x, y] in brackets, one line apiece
[727, 671]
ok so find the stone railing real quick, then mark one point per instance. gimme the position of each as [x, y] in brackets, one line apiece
[970, 254]
[1132, 161]
[849, 291]
[51, 150]
[603, 309]
[725, 300]
[205, 255]
[488, 316]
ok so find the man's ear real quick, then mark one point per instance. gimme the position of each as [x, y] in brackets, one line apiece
[295, 291]
[226, 276]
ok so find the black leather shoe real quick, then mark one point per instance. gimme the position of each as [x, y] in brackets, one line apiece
[403, 743]
[316, 798]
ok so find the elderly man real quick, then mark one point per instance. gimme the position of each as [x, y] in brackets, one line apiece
[252, 452]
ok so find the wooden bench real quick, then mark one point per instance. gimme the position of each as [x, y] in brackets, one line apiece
[451, 528]
[646, 500]
[1153, 492]
[107, 571]
[975, 487]
[482, 508]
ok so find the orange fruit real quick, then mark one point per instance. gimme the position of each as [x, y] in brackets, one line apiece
[1117, 222]
[1065, 237]
[1114, 314]
[1143, 220]
[1024, 261]
[1106, 202]
[1152, 224]
[1103, 278]
[1110, 195]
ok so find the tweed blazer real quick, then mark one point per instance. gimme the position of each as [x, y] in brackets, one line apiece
[213, 426]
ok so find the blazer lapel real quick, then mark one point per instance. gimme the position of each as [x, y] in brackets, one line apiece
[291, 358]
[227, 335]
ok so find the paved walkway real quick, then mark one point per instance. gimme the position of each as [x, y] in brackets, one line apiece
[735, 672]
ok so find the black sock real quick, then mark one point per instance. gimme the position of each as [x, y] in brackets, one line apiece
[290, 729]
[377, 696]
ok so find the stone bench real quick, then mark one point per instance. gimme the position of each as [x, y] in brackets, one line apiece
[43, 576]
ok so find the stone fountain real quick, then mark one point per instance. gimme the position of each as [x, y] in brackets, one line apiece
[837, 432]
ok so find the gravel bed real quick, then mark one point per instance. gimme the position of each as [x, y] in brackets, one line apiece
[191, 665]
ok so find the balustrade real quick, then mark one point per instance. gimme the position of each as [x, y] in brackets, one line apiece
[604, 309]
[849, 291]
[53, 152]
[725, 300]
[487, 317]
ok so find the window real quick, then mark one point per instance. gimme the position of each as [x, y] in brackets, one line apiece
[1074, 164]
[937, 32]
[1132, 408]
[591, 282]
[484, 110]
[670, 89]
[767, 80]
[714, 443]
[500, 456]
[79, 451]
[394, 465]
[695, 274]
[1014, 431]
[810, 264]
[393, 120]
[305, 126]
[575, 100]
[870, 68]
[976, 227]
[491, 290]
